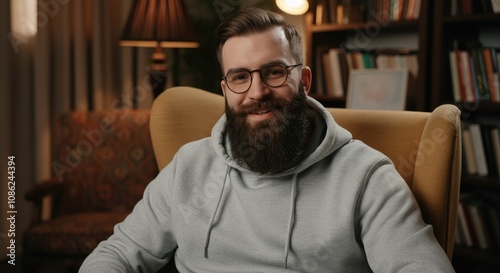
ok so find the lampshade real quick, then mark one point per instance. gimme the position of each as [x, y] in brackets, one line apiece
[294, 7]
[154, 23]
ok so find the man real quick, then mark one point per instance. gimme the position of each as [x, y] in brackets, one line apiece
[278, 187]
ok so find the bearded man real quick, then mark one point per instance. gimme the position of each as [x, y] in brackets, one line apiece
[293, 191]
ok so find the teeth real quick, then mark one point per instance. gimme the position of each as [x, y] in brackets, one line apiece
[263, 112]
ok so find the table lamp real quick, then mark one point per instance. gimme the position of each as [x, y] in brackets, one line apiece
[159, 24]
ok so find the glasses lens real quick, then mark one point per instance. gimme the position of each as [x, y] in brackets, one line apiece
[274, 75]
[239, 81]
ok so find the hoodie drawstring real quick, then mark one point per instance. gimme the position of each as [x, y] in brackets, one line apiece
[293, 198]
[210, 225]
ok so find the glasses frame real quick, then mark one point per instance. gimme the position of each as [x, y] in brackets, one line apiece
[287, 67]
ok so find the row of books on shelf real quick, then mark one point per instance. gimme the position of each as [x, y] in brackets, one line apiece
[478, 223]
[352, 11]
[336, 65]
[481, 149]
[475, 74]
[464, 7]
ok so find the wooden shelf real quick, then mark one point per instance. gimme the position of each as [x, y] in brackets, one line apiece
[328, 35]
[329, 98]
[484, 182]
[488, 256]
[462, 32]
[329, 101]
[471, 18]
[437, 32]
[482, 107]
[405, 25]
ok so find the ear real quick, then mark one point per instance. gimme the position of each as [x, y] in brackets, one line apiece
[306, 78]
[223, 87]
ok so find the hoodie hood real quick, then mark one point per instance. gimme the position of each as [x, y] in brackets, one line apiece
[326, 139]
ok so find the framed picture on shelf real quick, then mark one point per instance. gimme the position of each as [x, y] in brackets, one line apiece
[377, 89]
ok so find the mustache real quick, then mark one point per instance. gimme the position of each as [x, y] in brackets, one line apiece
[268, 102]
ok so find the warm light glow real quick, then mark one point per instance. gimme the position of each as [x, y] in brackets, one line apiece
[23, 17]
[294, 7]
[152, 21]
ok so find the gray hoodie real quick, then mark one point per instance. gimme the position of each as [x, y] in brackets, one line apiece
[343, 208]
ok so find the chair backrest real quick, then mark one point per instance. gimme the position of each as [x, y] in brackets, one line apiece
[104, 159]
[424, 147]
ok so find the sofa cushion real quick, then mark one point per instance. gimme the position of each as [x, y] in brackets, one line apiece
[76, 234]
[105, 159]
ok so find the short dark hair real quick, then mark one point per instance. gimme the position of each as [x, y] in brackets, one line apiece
[252, 20]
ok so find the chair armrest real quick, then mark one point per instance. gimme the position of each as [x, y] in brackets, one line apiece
[36, 194]
[43, 189]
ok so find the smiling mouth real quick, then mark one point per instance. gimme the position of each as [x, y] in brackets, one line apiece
[260, 115]
[262, 112]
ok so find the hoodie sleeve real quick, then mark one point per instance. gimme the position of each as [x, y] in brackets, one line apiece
[394, 236]
[143, 242]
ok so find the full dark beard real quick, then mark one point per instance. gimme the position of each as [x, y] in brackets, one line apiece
[272, 145]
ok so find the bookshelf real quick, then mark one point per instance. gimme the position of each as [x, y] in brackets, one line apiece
[354, 32]
[462, 29]
[442, 28]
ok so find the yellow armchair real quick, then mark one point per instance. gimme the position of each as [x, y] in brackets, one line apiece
[425, 147]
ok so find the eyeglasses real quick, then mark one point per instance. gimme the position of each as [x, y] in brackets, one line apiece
[273, 75]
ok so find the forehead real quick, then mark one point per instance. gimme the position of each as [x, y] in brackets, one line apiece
[256, 49]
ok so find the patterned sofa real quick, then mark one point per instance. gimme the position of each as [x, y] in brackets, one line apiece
[102, 163]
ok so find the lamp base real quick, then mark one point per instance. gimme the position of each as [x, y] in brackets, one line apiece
[158, 72]
[157, 80]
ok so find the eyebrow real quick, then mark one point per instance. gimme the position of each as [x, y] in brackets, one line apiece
[239, 69]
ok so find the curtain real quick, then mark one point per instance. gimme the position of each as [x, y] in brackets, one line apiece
[73, 62]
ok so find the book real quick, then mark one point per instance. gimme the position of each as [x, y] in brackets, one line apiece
[346, 12]
[475, 86]
[455, 78]
[496, 6]
[367, 60]
[320, 88]
[320, 14]
[488, 148]
[462, 221]
[416, 10]
[453, 8]
[411, 63]
[357, 11]
[468, 150]
[466, 78]
[475, 74]
[411, 9]
[494, 219]
[336, 74]
[327, 75]
[496, 73]
[495, 140]
[466, 6]
[461, 76]
[477, 220]
[357, 60]
[479, 154]
[480, 75]
[344, 69]
[489, 71]
[397, 7]
[382, 61]
[333, 10]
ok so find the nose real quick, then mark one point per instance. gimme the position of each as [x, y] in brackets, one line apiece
[258, 89]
